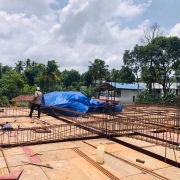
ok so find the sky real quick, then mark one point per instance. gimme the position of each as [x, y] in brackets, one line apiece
[76, 32]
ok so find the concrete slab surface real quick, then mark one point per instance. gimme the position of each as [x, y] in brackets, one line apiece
[16, 160]
[149, 162]
[67, 164]
[120, 166]
[169, 172]
[2, 162]
[58, 155]
[52, 146]
[30, 172]
[13, 151]
[136, 142]
[65, 170]
[88, 169]
[165, 152]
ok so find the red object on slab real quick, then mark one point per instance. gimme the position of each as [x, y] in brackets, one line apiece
[12, 176]
[29, 152]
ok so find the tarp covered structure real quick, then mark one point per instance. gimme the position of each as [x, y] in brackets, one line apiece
[72, 103]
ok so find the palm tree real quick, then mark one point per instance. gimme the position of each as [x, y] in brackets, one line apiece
[98, 69]
[27, 63]
[0, 70]
[34, 64]
[50, 75]
[19, 67]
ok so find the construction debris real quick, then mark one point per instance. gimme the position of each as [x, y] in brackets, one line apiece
[36, 153]
[42, 165]
[140, 161]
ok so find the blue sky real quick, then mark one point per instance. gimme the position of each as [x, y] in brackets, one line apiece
[74, 32]
[164, 12]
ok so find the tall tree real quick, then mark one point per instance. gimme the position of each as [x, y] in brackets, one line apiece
[133, 59]
[31, 74]
[0, 70]
[114, 75]
[27, 64]
[87, 78]
[34, 64]
[5, 69]
[12, 83]
[98, 70]
[126, 75]
[166, 58]
[70, 78]
[151, 32]
[161, 56]
[50, 76]
[19, 67]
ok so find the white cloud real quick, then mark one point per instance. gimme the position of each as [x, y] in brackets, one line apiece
[175, 31]
[73, 36]
[27, 7]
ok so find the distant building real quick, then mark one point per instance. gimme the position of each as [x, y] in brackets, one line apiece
[174, 87]
[120, 92]
[22, 100]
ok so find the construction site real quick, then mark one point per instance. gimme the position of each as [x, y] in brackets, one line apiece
[140, 143]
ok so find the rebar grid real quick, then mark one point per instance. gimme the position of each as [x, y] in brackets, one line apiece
[14, 112]
[155, 124]
[21, 136]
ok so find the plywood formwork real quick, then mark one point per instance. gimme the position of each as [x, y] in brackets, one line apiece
[152, 123]
[77, 160]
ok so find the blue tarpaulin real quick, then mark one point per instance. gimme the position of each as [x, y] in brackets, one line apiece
[96, 106]
[74, 103]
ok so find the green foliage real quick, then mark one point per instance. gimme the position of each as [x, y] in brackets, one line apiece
[49, 76]
[70, 79]
[168, 99]
[158, 59]
[87, 79]
[23, 104]
[14, 104]
[154, 62]
[126, 75]
[3, 100]
[145, 96]
[98, 70]
[28, 89]
[90, 92]
[12, 83]
[19, 67]
[31, 74]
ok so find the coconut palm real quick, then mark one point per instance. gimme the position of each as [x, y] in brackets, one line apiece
[98, 70]
[49, 76]
[27, 64]
[19, 67]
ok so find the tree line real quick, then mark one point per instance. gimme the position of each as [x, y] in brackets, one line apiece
[156, 61]
[28, 74]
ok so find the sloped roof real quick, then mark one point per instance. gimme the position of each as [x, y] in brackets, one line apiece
[114, 85]
[22, 98]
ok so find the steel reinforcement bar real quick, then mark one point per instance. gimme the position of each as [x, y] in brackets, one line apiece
[44, 134]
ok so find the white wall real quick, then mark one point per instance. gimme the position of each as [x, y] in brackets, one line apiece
[159, 86]
[126, 96]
